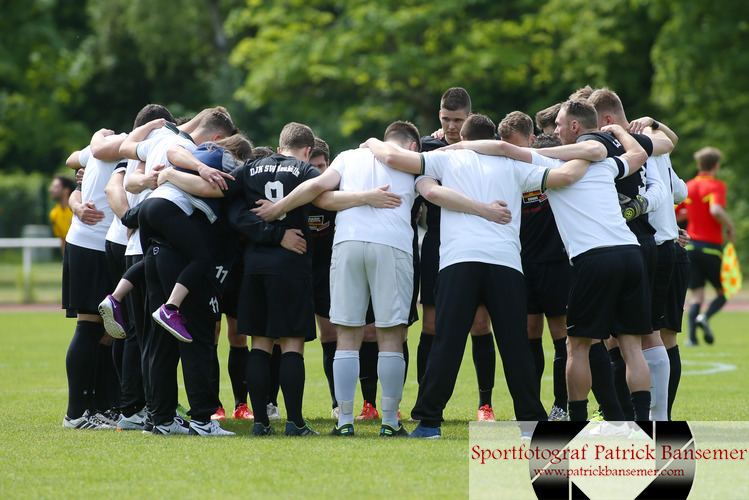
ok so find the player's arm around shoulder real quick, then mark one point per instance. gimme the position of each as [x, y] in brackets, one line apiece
[405, 161]
[450, 199]
[634, 155]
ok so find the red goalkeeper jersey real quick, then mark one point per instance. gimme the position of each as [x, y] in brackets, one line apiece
[704, 191]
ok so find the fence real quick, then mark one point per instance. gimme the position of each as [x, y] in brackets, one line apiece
[28, 244]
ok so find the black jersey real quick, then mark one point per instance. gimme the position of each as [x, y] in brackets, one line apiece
[539, 237]
[631, 185]
[429, 143]
[270, 178]
[321, 227]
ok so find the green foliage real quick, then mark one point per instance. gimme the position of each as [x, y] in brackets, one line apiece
[23, 200]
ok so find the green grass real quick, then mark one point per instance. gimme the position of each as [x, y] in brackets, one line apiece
[40, 459]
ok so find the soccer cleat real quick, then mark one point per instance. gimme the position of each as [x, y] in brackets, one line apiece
[614, 429]
[273, 413]
[597, 416]
[346, 430]
[135, 422]
[369, 412]
[87, 421]
[387, 430]
[485, 414]
[558, 414]
[109, 417]
[148, 424]
[210, 428]
[111, 312]
[334, 413]
[426, 432]
[260, 430]
[242, 412]
[293, 430]
[220, 414]
[703, 323]
[171, 429]
[173, 322]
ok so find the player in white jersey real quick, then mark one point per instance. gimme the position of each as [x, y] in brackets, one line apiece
[479, 261]
[609, 283]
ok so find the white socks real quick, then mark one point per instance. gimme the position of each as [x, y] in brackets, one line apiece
[391, 370]
[657, 359]
[345, 376]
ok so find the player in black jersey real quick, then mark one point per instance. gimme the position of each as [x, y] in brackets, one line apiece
[546, 267]
[455, 107]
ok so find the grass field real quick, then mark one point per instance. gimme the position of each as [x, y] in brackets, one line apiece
[39, 459]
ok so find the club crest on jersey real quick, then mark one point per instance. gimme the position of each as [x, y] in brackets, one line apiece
[156, 250]
[318, 223]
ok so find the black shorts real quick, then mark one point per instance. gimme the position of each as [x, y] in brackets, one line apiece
[229, 301]
[547, 286]
[321, 286]
[649, 251]
[677, 291]
[85, 280]
[705, 260]
[276, 306]
[609, 294]
[663, 271]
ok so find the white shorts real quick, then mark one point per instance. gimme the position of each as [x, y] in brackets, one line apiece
[360, 270]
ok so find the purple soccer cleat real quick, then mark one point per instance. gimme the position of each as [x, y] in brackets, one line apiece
[111, 312]
[173, 322]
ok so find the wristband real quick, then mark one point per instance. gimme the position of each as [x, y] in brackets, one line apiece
[655, 125]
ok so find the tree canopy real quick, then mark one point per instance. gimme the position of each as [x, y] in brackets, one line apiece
[348, 68]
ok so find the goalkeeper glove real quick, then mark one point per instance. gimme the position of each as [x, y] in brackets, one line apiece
[634, 208]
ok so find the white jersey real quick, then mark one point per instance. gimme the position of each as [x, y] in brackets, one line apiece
[361, 171]
[470, 238]
[92, 190]
[153, 152]
[171, 192]
[588, 213]
[117, 232]
[663, 219]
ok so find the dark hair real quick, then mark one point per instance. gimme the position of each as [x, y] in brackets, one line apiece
[151, 112]
[67, 182]
[218, 120]
[548, 117]
[546, 140]
[707, 158]
[295, 136]
[261, 152]
[515, 122]
[320, 148]
[456, 99]
[477, 127]
[583, 112]
[403, 133]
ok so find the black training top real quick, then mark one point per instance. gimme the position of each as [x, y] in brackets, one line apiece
[539, 237]
[269, 178]
[429, 143]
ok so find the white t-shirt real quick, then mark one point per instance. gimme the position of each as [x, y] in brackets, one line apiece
[588, 214]
[117, 232]
[171, 192]
[153, 151]
[92, 189]
[663, 218]
[360, 171]
[470, 238]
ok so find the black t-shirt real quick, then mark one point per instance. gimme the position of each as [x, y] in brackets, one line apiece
[270, 178]
[322, 231]
[539, 237]
[631, 185]
[429, 143]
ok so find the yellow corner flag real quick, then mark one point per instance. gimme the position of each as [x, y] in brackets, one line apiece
[730, 272]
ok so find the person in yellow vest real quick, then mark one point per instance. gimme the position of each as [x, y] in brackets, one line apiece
[61, 216]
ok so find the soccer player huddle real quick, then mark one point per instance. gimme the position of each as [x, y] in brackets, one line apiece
[180, 221]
